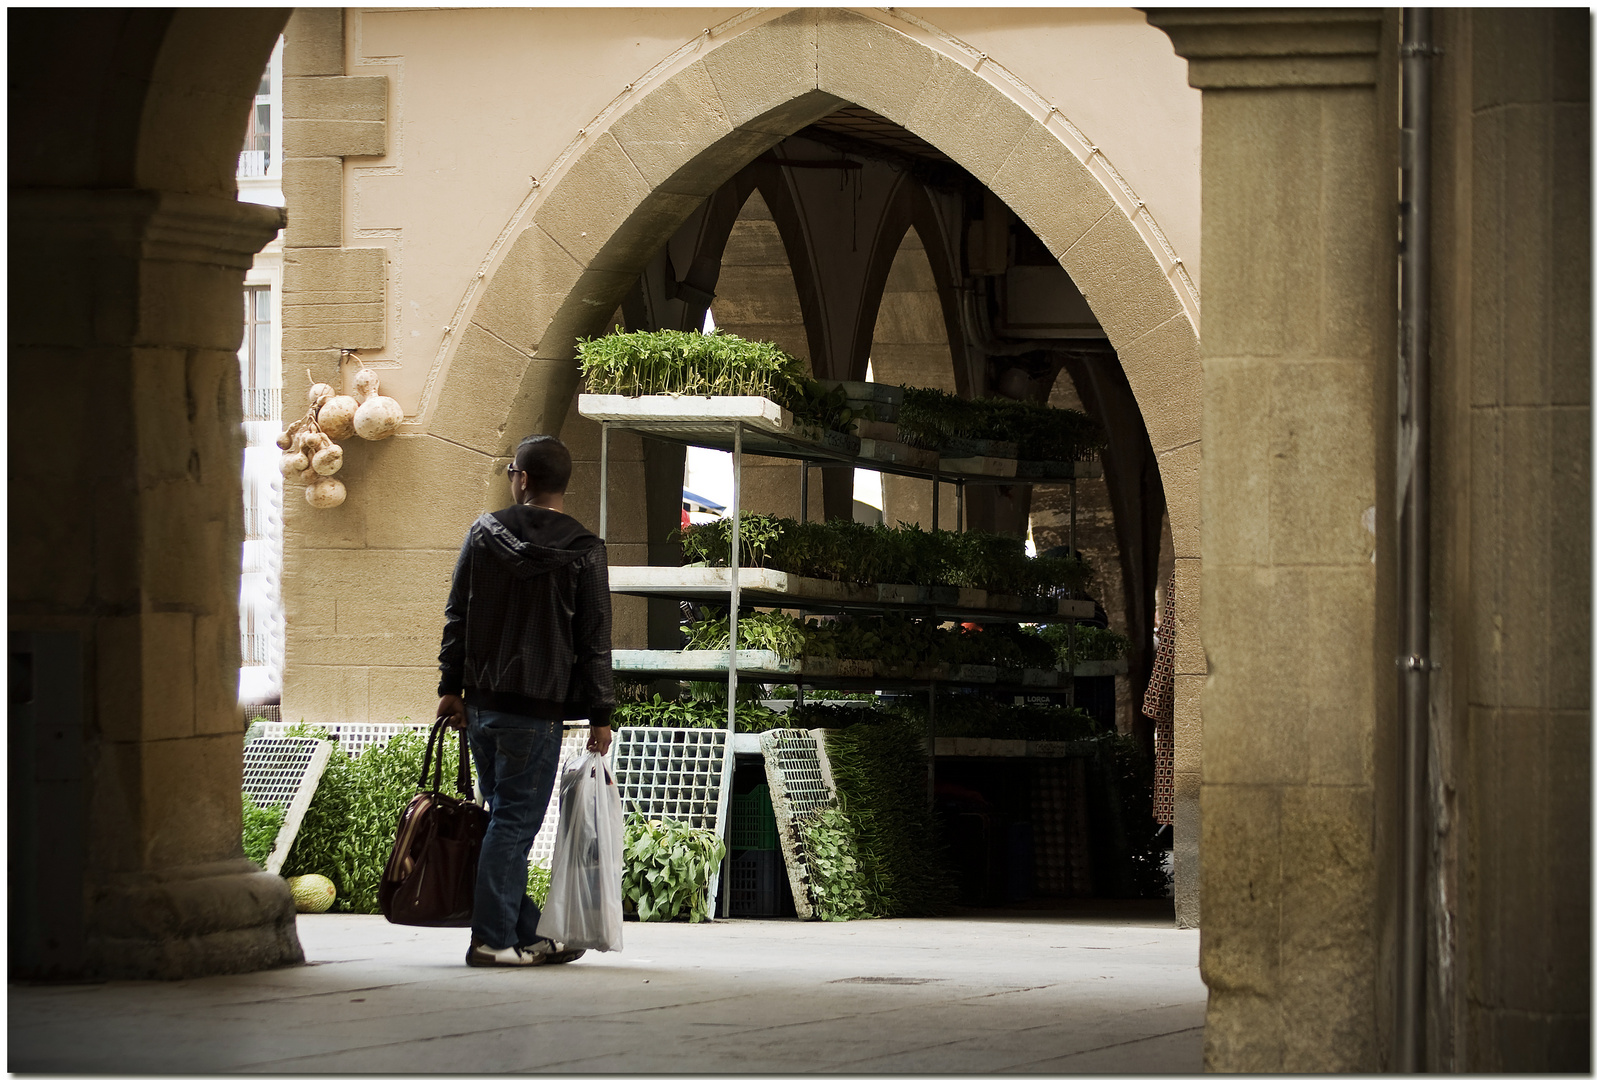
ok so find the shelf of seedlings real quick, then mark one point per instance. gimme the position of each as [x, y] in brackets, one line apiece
[760, 587]
[720, 392]
[758, 425]
[832, 673]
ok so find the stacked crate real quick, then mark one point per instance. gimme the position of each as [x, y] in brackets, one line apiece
[756, 866]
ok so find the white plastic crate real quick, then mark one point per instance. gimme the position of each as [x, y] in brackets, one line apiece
[800, 781]
[352, 738]
[671, 773]
[284, 772]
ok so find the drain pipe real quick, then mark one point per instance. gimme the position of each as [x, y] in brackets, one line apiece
[1414, 567]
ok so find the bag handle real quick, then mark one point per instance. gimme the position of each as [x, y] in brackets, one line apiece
[433, 761]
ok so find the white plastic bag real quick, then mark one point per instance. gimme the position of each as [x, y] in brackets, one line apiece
[583, 910]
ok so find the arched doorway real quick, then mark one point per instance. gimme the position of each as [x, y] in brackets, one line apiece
[579, 242]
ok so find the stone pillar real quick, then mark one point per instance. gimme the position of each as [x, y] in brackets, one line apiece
[125, 467]
[1299, 748]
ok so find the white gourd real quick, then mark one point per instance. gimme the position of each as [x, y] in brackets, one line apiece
[336, 417]
[320, 392]
[329, 459]
[365, 384]
[294, 462]
[285, 440]
[378, 416]
[325, 493]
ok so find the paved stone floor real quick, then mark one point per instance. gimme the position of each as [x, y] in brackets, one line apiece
[1105, 990]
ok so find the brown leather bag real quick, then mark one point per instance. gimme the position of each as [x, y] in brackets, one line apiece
[431, 877]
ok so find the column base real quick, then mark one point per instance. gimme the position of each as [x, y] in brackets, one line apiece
[209, 919]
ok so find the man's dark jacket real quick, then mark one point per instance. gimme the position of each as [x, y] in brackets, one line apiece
[527, 625]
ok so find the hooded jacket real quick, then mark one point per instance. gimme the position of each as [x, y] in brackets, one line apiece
[527, 625]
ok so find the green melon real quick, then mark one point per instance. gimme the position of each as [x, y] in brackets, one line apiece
[312, 893]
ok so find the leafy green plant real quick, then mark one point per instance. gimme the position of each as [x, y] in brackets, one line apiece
[1074, 645]
[538, 878]
[348, 829]
[931, 418]
[879, 766]
[718, 363]
[849, 551]
[751, 715]
[666, 869]
[836, 876]
[771, 630]
[261, 824]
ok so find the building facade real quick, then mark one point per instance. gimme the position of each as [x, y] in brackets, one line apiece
[470, 192]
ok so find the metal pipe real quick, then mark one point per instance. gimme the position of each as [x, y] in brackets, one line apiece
[736, 592]
[604, 480]
[1414, 570]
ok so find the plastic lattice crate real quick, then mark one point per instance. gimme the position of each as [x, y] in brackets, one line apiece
[800, 781]
[671, 773]
[753, 824]
[754, 880]
[352, 738]
[284, 772]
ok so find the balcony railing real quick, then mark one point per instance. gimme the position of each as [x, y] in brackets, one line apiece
[255, 651]
[254, 163]
[263, 404]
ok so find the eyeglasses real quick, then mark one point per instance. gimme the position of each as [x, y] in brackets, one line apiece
[510, 469]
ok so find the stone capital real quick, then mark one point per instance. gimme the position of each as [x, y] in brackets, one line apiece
[74, 249]
[1259, 48]
[162, 225]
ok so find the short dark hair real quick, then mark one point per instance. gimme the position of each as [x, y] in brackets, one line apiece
[547, 463]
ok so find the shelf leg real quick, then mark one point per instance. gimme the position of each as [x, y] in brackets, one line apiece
[604, 480]
[804, 491]
[937, 487]
[719, 898]
[959, 506]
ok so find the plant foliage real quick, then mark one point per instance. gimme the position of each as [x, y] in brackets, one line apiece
[348, 831]
[850, 551]
[929, 419]
[261, 824]
[704, 365]
[751, 715]
[666, 869]
[837, 878]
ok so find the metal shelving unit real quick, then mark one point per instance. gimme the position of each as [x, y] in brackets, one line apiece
[757, 425]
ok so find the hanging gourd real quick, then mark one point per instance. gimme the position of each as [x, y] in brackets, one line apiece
[325, 493]
[378, 417]
[336, 417]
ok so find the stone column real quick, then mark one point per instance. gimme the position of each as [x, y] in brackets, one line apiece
[125, 436]
[1300, 756]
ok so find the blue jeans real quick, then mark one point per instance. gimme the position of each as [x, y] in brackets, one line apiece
[517, 758]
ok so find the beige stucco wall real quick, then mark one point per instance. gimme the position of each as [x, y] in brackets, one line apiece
[483, 101]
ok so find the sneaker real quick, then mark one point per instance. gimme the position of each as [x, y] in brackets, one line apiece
[480, 955]
[553, 952]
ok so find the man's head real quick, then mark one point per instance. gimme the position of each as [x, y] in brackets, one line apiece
[542, 468]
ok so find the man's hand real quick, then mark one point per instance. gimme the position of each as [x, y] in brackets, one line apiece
[451, 706]
[599, 739]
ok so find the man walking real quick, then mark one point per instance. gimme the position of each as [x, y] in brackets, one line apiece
[526, 645]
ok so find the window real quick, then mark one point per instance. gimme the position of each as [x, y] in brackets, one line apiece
[261, 394]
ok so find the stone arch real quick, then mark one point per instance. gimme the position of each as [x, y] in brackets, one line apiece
[633, 178]
[579, 244]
